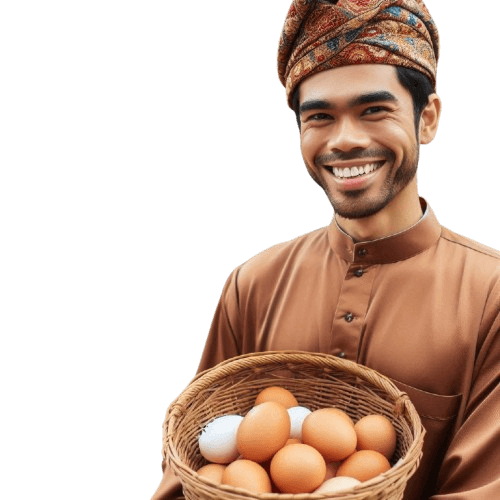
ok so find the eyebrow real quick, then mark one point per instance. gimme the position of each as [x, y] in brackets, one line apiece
[382, 95]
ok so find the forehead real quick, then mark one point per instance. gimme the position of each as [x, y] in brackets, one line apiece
[344, 83]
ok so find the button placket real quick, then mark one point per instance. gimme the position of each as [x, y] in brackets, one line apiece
[347, 326]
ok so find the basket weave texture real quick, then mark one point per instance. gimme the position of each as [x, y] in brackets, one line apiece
[317, 381]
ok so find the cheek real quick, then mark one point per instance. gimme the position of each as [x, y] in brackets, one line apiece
[309, 149]
[401, 141]
[309, 146]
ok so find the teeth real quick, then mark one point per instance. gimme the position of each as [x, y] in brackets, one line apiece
[355, 171]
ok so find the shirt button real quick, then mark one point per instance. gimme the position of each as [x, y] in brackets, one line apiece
[341, 354]
[349, 317]
[362, 252]
[358, 273]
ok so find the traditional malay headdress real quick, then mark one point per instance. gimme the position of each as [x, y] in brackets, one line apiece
[324, 34]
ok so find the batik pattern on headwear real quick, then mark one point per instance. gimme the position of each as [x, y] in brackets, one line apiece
[321, 34]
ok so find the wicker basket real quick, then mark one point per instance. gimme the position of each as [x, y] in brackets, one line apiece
[317, 381]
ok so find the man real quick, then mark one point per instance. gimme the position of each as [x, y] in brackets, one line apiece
[384, 285]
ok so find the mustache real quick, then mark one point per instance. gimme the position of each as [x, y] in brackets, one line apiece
[353, 155]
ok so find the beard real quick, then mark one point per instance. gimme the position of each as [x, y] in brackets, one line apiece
[356, 204]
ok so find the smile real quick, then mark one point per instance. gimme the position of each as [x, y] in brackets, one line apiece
[356, 171]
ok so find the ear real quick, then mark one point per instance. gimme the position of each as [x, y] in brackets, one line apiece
[429, 119]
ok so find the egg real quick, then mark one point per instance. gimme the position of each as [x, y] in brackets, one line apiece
[263, 431]
[330, 432]
[298, 468]
[247, 474]
[337, 484]
[297, 415]
[277, 394]
[376, 432]
[212, 472]
[364, 465]
[218, 439]
[342, 414]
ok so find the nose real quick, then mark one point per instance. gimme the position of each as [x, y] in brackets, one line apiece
[347, 136]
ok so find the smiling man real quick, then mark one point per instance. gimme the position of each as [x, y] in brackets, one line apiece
[384, 284]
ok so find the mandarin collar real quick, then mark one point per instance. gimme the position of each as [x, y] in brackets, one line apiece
[399, 246]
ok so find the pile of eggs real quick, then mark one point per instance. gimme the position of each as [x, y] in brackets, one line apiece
[281, 447]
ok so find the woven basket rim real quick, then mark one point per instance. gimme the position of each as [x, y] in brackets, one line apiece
[402, 403]
[232, 365]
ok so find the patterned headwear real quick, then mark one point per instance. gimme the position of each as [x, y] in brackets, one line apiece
[324, 34]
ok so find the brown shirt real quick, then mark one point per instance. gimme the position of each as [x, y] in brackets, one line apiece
[422, 307]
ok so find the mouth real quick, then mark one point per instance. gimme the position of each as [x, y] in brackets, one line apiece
[355, 171]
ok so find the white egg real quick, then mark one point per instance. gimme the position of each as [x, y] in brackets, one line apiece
[297, 416]
[217, 440]
[335, 484]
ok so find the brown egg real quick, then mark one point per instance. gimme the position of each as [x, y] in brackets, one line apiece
[298, 468]
[263, 431]
[330, 433]
[247, 474]
[363, 465]
[376, 432]
[213, 472]
[293, 441]
[277, 394]
[343, 414]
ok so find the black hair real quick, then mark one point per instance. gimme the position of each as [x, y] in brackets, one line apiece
[417, 84]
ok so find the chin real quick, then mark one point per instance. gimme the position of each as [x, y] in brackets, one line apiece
[356, 210]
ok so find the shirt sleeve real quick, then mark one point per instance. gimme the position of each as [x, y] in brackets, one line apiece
[470, 469]
[223, 340]
[170, 487]
[221, 344]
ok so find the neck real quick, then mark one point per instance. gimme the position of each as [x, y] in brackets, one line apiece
[402, 212]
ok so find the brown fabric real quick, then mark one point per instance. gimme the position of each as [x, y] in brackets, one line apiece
[321, 34]
[170, 486]
[426, 313]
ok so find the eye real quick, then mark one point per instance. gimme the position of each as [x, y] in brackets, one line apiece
[373, 110]
[318, 117]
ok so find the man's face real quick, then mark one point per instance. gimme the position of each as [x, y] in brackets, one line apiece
[358, 137]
